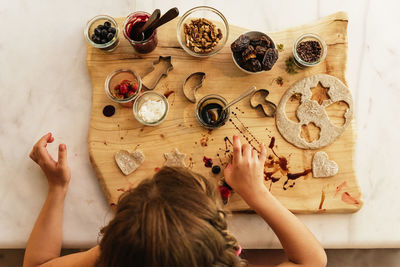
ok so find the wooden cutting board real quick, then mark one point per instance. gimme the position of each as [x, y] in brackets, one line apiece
[107, 135]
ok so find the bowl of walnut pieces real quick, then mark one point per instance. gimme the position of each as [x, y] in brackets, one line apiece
[202, 31]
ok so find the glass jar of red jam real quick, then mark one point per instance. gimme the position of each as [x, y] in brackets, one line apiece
[132, 24]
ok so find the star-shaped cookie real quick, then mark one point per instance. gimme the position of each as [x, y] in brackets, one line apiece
[175, 159]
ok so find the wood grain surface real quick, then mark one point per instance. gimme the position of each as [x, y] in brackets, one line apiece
[107, 135]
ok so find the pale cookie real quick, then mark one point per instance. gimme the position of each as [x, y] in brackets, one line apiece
[310, 111]
[129, 162]
[175, 159]
[322, 166]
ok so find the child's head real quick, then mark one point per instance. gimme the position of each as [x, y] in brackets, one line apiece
[174, 219]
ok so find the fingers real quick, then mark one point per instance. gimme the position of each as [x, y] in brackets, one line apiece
[237, 149]
[62, 154]
[47, 138]
[246, 150]
[263, 153]
[254, 153]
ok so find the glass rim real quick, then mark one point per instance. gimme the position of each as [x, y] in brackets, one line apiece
[107, 85]
[323, 48]
[126, 34]
[202, 100]
[136, 111]
[183, 18]
[94, 19]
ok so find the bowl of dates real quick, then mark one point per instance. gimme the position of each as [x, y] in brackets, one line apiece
[202, 31]
[254, 52]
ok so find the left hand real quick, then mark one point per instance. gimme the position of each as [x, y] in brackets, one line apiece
[57, 172]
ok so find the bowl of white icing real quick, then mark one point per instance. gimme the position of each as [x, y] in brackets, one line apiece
[150, 108]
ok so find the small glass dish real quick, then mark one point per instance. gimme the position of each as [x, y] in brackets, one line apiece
[142, 99]
[309, 37]
[253, 34]
[115, 78]
[210, 14]
[92, 25]
[201, 110]
[132, 23]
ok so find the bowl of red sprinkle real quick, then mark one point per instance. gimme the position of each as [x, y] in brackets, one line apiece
[123, 86]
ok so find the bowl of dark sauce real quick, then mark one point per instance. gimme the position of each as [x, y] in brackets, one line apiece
[209, 111]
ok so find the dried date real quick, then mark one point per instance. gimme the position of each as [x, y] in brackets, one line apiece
[240, 44]
[270, 57]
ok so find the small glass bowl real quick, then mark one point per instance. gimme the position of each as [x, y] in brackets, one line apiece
[208, 13]
[93, 23]
[253, 34]
[109, 83]
[309, 37]
[149, 95]
[144, 46]
[208, 99]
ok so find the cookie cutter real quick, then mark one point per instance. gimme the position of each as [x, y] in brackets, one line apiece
[164, 73]
[196, 75]
[266, 106]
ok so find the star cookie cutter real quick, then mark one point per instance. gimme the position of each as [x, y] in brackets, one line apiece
[259, 100]
[197, 78]
[151, 79]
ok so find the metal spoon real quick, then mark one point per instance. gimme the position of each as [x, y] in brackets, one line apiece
[169, 15]
[213, 113]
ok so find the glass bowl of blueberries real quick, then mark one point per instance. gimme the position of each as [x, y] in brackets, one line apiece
[102, 32]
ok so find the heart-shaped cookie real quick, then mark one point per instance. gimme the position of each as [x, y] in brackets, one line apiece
[129, 162]
[322, 166]
[259, 100]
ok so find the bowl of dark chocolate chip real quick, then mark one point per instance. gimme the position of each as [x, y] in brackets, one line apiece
[309, 50]
[254, 52]
[102, 32]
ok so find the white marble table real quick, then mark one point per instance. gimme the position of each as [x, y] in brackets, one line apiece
[45, 87]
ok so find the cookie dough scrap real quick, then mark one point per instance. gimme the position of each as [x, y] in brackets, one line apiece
[175, 158]
[322, 166]
[129, 162]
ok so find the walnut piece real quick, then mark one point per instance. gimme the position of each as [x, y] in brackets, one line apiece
[201, 35]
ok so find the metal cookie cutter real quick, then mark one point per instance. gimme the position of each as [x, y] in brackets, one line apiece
[160, 68]
[259, 100]
[194, 81]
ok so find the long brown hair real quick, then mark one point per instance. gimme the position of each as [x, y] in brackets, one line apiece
[174, 219]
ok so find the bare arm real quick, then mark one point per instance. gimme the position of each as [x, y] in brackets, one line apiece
[245, 176]
[44, 244]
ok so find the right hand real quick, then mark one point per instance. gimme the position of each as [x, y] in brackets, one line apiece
[246, 173]
[57, 172]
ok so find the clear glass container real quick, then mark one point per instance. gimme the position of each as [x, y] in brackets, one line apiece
[92, 25]
[208, 13]
[115, 78]
[201, 109]
[135, 21]
[142, 99]
[309, 37]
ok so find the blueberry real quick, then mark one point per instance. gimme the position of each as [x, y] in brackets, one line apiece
[100, 27]
[110, 36]
[112, 30]
[107, 24]
[97, 32]
[93, 37]
[97, 40]
[103, 41]
[104, 33]
[216, 169]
